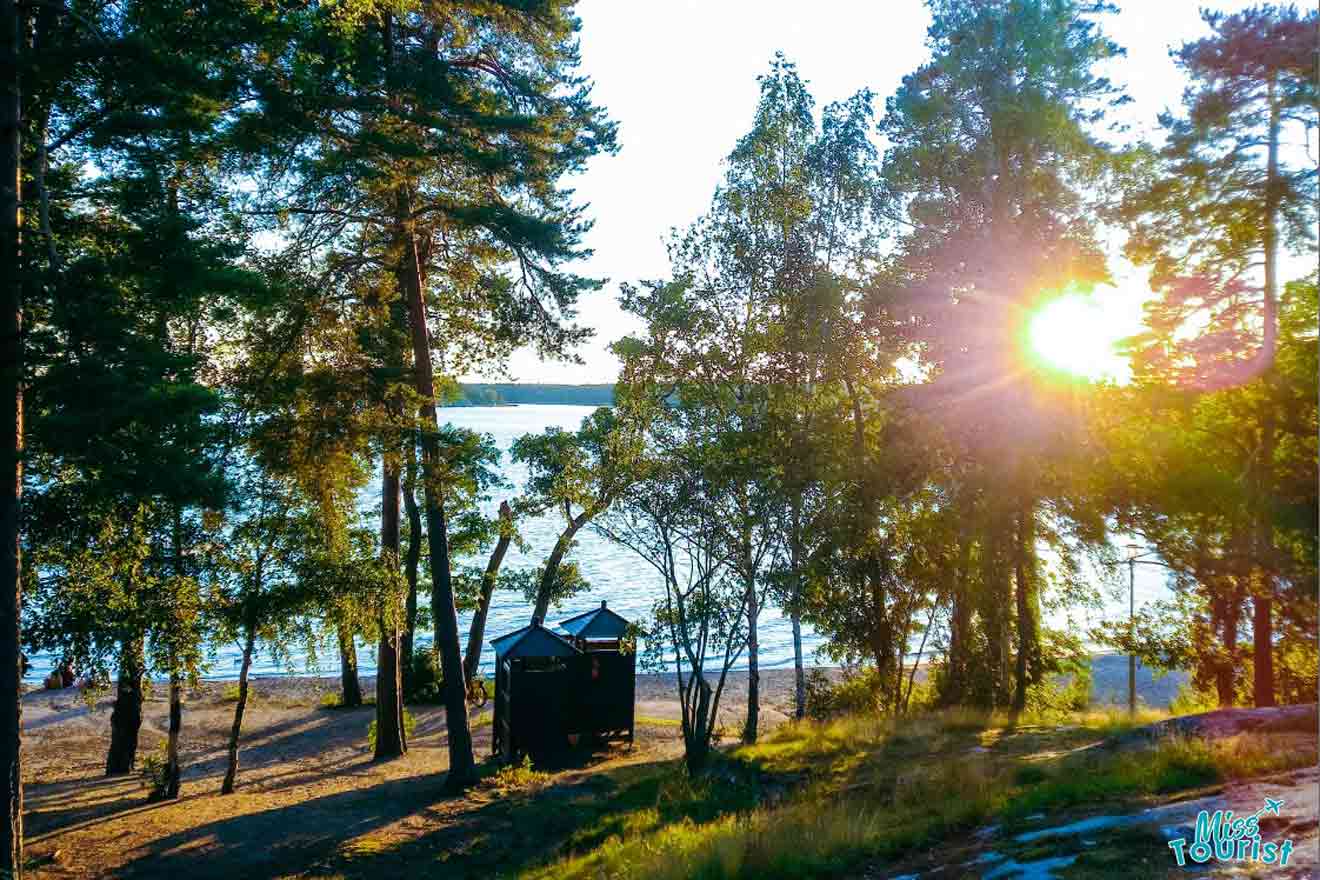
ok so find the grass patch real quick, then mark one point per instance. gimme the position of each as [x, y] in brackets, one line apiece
[522, 777]
[652, 721]
[1171, 766]
[866, 788]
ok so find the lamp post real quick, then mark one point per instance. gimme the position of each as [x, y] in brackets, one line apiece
[1135, 552]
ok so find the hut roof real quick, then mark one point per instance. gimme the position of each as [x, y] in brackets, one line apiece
[533, 640]
[598, 623]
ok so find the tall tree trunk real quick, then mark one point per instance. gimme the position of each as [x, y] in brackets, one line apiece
[231, 771]
[462, 767]
[796, 563]
[545, 589]
[11, 373]
[1028, 605]
[391, 740]
[1262, 603]
[1226, 619]
[696, 748]
[799, 668]
[411, 560]
[477, 632]
[350, 687]
[126, 717]
[996, 598]
[173, 769]
[960, 624]
[753, 666]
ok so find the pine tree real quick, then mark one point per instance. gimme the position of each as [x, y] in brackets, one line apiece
[1210, 214]
[992, 144]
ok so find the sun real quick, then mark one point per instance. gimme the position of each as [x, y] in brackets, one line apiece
[1079, 334]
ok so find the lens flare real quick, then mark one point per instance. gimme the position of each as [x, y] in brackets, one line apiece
[1078, 335]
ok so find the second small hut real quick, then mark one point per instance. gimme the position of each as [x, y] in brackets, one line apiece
[553, 690]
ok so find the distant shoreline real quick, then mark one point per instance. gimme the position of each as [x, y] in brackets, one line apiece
[1108, 682]
[520, 393]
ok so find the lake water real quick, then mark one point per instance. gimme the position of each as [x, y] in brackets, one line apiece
[616, 575]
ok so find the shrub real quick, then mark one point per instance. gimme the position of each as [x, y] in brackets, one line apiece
[424, 682]
[409, 725]
[519, 777]
[230, 693]
[152, 770]
[1192, 700]
[331, 701]
[857, 693]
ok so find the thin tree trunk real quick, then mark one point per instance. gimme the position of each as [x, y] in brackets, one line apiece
[545, 589]
[1028, 605]
[411, 560]
[799, 668]
[231, 772]
[350, 687]
[477, 632]
[11, 373]
[795, 612]
[462, 767]
[126, 717]
[912, 678]
[1229, 614]
[753, 667]
[173, 770]
[960, 620]
[391, 741]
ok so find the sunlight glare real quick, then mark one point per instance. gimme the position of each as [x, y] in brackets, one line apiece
[1079, 334]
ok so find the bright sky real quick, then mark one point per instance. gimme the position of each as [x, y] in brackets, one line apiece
[680, 79]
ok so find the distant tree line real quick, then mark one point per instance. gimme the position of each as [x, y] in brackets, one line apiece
[481, 394]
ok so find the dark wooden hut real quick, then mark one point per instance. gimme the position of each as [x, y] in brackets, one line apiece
[552, 691]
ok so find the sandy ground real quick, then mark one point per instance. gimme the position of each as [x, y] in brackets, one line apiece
[306, 778]
[307, 784]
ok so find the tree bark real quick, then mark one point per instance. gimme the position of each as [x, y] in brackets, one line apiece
[1262, 603]
[411, 560]
[477, 632]
[173, 770]
[11, 373]
[795, 612]
[126, 717]
[753, 667]
[1229, 614]
[960, 622]
[231, 772]
[799, 668]
[350, 687]
[1028, 605]
[391, 739]
[462, 767]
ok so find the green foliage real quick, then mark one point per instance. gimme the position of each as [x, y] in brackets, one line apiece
[153, 770]
[856, 694]
[519, 778]
[1191, 700]
[426, 681]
